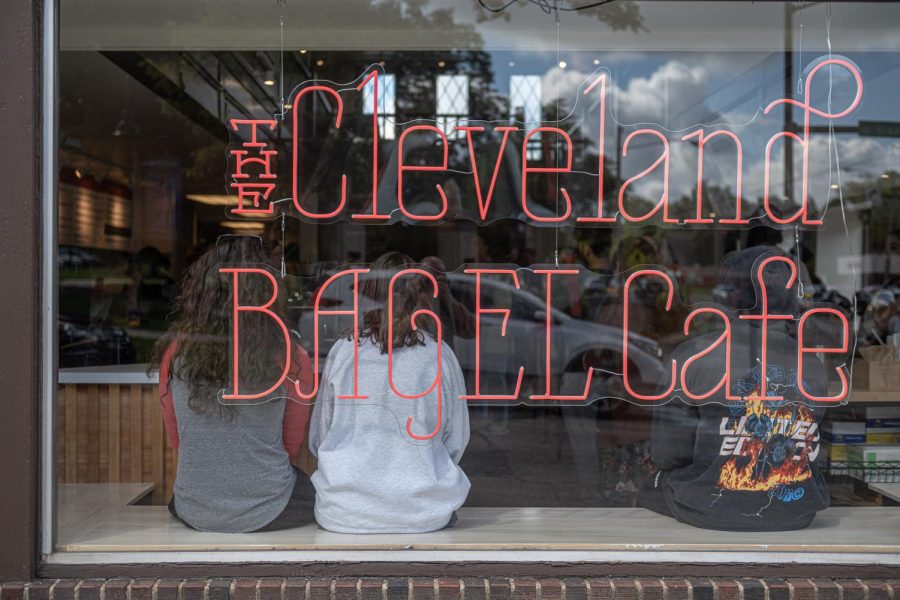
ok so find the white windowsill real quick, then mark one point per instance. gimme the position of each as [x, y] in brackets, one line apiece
[149, 534]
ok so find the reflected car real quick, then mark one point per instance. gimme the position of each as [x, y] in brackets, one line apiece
[84, 344]
[576, 343]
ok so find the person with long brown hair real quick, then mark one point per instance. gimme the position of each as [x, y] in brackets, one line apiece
[234, 457]
[389, 461]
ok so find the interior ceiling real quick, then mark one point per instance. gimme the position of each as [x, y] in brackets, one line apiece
[447, 24]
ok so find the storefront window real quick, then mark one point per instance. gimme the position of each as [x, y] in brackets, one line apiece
[478, 275]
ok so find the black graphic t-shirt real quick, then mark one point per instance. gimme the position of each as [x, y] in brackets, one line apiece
[746, 464]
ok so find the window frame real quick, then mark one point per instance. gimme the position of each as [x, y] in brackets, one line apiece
[50, 563]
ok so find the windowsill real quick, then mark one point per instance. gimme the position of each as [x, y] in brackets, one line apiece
[867, 534]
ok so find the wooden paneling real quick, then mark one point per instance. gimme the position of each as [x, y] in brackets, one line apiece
[110, 433]
[114, 434]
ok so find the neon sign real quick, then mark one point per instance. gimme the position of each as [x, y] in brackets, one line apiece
[253, 181]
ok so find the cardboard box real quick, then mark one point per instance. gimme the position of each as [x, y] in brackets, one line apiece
[883, 435]
[877, 376]
[844, 432]
[883, 416]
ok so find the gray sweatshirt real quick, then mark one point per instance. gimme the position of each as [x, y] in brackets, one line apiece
[373, 477]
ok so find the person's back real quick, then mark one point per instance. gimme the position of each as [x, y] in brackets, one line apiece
[750, 463]
[372, 476]
[234, 458]
[741, 465]
[234, 473]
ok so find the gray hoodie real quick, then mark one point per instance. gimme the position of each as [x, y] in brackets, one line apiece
[373, 477]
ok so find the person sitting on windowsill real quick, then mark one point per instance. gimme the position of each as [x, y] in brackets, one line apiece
[373, 475]
[748, 464]
[234, 459]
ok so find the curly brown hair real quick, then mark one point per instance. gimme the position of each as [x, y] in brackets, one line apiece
[410, 294]
[201, 329]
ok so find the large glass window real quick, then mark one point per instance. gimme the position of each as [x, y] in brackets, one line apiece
[650, 250]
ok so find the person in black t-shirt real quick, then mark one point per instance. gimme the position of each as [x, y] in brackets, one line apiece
[749, 464]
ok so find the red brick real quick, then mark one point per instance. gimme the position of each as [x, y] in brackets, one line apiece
[270, 588]
[753, 589]
[166, 589]
[575, 589]
[344, 588]
[449, 589]
[499, 588]
[397, 588]
[677, 589]
[294, 588]
[852, 589]
[525, 588]
[193, 589]
[219, 589]
[702, 589]
[371, 589]
[600, 589]
[878, 590]
[727, 589]
[475, 588]
[625, 589]
[64, 589]
[12, 590]
[244, 589]
[651, 589]
[319, 589]
[802, 589]
[422, 588]
[778, 589]
[138, 589]
[551, 589]
[826, 589]
[89, 589]
[895, 586]
[40, 590]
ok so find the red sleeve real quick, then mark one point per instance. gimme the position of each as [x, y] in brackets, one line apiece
[165, 397]
[296, 410]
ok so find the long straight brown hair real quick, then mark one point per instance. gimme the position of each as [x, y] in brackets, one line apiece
[410, 294]
[201, 329]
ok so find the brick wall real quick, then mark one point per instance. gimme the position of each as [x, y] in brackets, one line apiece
[402, 588]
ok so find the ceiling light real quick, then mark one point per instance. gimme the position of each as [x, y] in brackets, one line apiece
[243, 225]
[562, 64]
[303, 51]
[596, 61]
[78, 173]
[883, 175]
[211, 199]
[512, 64]
[288, 106]
[269, 78]
[320, 62]
[834, 186]
[442, 64]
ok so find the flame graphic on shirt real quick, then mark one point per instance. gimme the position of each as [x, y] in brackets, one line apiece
[753, 476]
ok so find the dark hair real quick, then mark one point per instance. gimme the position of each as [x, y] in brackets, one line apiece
[410, 294]
[202, 326]
[740, 274]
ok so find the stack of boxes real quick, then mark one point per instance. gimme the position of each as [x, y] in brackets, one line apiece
[838, 436]
[878, 458]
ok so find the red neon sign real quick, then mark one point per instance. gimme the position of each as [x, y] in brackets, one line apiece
[253, 177]
[675, 381]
